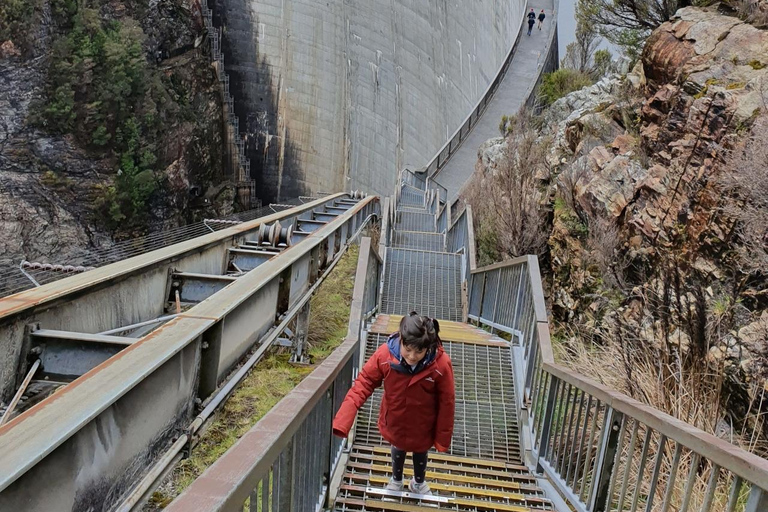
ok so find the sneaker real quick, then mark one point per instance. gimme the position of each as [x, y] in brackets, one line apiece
[394, 485]
[422, 488]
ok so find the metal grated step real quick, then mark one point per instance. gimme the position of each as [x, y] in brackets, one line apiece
[426, 282]
[485, 475]
[414, 221]
[417, 240]
[486, 421]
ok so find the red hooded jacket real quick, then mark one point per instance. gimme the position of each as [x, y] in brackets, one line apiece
[417, 409]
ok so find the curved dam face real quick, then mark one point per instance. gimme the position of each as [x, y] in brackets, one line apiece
[342, 94]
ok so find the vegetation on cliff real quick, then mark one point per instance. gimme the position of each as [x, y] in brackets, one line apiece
[113, 123]
[102, 90]
[652, 198]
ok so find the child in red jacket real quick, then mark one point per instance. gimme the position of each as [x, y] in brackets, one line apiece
[419, 397]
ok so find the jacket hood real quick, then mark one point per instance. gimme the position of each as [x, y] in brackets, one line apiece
[393, 342]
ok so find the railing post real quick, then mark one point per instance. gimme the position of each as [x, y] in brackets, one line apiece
[546, 422]
[285, 480]
[758, 500]
[531, 366]
[606, 460]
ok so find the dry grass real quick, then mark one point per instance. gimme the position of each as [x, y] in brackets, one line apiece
[656, 375]
[506, 201]
[746, 183]
[269, 382]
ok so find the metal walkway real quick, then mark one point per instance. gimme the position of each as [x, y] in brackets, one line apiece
[483, 470]
[529, 434]
[529, 60]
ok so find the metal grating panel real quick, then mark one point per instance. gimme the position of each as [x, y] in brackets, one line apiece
[418, 240]
[411, 221]
[426, 282]
[486, 421]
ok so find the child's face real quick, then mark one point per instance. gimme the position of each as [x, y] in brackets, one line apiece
[411, 355]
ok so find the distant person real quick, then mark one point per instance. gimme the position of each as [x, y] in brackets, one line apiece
[541, 18]
[417, 410]
[531, 20]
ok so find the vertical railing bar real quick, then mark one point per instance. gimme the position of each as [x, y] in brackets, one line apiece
[641, 470]
[265, 493]
[757, 501]
[254, 497]
[581, 436]
[692, 473]
[615, 470]
[628, 467]
[557, 432]
[276, 495]
[496, 299]
[547, 386]
[583, 485]
[569, 407]
[547, 422]
[656, 471]
[711, 486]
[602, 446]
[569, 439]
[582, 442]
[562, 443]
[540, 395]
[672, 477]
[735, 491]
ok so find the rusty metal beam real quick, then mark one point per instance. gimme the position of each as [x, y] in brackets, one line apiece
[228, 482]
[59, 290]
[150, 385]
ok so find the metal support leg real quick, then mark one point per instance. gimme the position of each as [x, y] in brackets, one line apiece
[599, 498]
[758, 500]
[300, 339]
[546, 422]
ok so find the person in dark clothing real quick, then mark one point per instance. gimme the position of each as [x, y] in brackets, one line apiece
[531, 20]
[541, 18]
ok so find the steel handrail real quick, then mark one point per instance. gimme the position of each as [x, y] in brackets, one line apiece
[61, 416]
[78, 283]
[462, 132]
[545, 381]
[226, 484]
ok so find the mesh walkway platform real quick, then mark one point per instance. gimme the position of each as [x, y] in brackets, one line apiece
[483, 470]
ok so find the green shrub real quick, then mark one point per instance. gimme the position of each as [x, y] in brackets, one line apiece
[557, 84]
[14, 18]
[102, 90]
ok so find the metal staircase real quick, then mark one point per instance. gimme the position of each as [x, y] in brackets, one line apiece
[483, 471]
[529, 433]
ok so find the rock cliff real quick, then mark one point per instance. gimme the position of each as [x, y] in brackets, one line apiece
[649, 178]
[53, 184]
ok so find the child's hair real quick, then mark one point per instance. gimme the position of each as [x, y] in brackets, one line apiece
[419, 332]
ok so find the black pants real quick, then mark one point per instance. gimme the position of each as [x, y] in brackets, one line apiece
[419, 465]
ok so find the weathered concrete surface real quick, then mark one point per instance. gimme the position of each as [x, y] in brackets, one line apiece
[342, 94]
[534, 55]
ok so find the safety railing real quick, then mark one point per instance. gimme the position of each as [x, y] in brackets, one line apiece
[285, 462]
[408, 177]
[603, 450]
[452, 145]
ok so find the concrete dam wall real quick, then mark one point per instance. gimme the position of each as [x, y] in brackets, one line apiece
[341, 94]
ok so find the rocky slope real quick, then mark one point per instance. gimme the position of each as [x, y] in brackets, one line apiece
[648, 243]
[52, 183]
